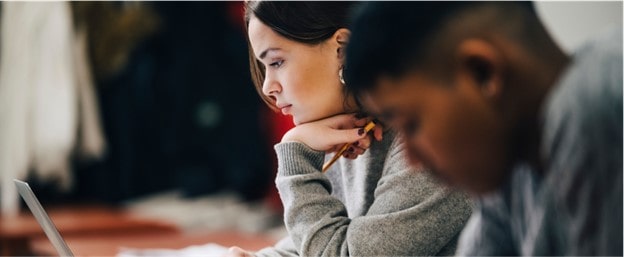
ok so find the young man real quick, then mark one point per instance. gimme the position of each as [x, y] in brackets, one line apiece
[488, 101]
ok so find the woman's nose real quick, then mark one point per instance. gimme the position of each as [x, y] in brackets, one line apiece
[271, 87]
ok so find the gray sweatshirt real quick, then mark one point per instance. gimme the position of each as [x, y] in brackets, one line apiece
[374, 205]
[573, 206]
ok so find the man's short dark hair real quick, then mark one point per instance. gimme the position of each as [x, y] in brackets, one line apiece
[390, 38]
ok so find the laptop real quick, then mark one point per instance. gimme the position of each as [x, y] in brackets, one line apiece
[42, 217]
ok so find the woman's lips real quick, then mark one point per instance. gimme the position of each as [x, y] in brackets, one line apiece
[285, 109]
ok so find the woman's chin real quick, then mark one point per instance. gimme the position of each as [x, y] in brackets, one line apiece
[297, 121]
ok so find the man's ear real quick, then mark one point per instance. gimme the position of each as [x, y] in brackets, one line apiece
[341, 38]
[484, 65]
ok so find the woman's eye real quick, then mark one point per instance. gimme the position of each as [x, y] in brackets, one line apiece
[276, 64]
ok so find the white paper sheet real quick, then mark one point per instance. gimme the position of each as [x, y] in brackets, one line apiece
[210, 249]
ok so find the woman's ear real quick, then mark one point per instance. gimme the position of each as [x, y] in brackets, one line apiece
[341, 38]
[484, 65]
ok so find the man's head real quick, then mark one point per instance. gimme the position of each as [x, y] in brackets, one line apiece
[453, 77]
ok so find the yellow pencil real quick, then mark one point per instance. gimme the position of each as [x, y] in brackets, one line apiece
[369, 126]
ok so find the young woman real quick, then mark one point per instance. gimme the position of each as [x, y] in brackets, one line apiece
[371, 203]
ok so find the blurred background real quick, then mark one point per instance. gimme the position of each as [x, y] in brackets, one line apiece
[124, 103]
[150, 106]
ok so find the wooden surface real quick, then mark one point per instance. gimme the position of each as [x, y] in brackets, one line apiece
[109, 245]
[16, 232]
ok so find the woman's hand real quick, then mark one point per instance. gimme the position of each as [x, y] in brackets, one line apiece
[235, 251]
[360, 146]
[330, 134]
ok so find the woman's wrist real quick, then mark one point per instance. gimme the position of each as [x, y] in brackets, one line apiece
[290, 136]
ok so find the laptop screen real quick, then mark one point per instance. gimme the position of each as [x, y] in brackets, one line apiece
[43, 218]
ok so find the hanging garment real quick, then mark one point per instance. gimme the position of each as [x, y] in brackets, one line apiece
[42, 78]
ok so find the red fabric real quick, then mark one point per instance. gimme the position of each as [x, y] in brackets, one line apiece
[236, 13]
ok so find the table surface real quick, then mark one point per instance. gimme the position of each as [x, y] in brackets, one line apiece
[17, 231]
[109, 245]
[83, 219]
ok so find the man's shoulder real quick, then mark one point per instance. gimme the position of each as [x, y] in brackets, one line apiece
[587, 97]
[581, 147]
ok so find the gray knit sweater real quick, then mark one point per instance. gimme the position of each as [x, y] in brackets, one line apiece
[375, 205]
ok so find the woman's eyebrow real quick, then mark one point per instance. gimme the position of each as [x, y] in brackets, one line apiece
[264, 53]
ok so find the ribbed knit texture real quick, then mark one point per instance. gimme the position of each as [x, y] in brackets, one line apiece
[376, 205]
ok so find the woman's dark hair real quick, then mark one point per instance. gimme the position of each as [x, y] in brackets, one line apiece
[301, 21]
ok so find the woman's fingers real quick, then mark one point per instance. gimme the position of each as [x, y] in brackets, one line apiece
[353, 152]
[361, 122]
[378, 132]
[235, 251]
[356, 148]
[341, 137]
[364, 143]
[350, 155]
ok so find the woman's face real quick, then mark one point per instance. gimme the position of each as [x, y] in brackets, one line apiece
[302, 79]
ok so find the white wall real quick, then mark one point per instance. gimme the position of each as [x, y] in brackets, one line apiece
[571, 23]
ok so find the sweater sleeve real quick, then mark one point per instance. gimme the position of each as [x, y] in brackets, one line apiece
[283, 248]
[411, 214]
